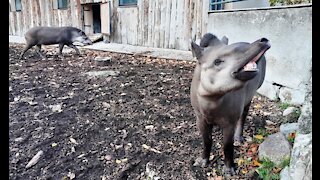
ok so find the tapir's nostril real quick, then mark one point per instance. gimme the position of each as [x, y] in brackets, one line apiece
[264, 40]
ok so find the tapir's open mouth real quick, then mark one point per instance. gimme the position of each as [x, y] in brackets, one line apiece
[248, 69]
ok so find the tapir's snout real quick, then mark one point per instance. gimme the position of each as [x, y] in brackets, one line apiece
[264, 42]
[247, 69]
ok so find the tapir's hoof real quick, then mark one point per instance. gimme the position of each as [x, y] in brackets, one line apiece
[229, 171]
[201, 162]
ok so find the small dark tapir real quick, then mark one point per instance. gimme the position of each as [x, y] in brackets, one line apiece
[38, 36]
[225, 80]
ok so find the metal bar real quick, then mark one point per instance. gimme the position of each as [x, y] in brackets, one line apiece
[226, 1]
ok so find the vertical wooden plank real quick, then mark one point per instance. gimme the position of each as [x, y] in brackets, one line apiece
[156, 41]
[179, 24]
[173, 24]
[168, 18]
[150, 23]
[187, 24]
[205, 9]
[140, 12]
[193, 19]
[199, 19]
[162, 23]
[145, 23]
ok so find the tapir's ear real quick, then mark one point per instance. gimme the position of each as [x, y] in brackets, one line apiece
[225, 40]
[209, 40]
[196, 50]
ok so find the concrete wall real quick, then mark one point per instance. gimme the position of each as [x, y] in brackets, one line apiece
[289, 58]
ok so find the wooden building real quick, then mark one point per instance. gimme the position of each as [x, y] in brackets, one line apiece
[154, 23]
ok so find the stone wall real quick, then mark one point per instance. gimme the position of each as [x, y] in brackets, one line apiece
[290, 33]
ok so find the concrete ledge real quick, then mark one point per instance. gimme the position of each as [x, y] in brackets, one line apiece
[128, 49]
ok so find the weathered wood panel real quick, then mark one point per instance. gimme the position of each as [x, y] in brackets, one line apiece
[41, 13]
[155, 23]
[159, 23]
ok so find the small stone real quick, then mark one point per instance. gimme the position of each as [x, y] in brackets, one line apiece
[288, 111]
[102, 73]
[288, 128]
[19, 139]
[108, 157]
[275, 147]
[150, 127]
[102, 61]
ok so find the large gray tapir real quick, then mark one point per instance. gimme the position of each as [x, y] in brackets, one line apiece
[38, 36]
[225, 80]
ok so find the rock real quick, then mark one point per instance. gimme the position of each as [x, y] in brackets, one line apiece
[301, 158]
[102, 73]
[288, 111]
[305, 119]
[102, 61]
[292, 96]
[284, 174]
[288, 128]
[269, 90]
[275, 147]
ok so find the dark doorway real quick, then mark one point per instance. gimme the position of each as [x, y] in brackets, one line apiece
[96, 18]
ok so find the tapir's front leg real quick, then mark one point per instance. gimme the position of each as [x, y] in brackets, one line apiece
[228, 133]
[238, 138]
[206, 132]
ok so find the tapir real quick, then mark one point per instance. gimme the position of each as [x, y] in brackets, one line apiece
[39, 35]
[225, 80]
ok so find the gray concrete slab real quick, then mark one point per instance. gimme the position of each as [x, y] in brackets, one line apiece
[129, 49]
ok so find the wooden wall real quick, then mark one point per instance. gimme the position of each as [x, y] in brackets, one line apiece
[159, 23]
[41, 12]
[154, 23]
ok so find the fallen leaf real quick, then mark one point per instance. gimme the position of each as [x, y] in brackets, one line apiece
[145, 146]
[71, 175]
[256, 163]
[56, 108]
[81, 155]
[73, 141]
[240, 161]
[257, 106]
[244, 171]
[292, 135]
[154, 150]
[35, 159]
[149, 127]
[276, 169]
[259, 137]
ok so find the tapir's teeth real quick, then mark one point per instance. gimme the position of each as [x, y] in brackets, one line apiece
[250, 66]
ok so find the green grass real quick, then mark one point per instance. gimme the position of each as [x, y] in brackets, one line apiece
[266, 170]
[284, 105]
[297, 113]
[263, 132]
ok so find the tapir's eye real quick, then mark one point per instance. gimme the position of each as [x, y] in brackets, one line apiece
[217, 62]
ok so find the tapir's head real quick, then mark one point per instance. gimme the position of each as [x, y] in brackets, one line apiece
[227, 67]
[80, 36]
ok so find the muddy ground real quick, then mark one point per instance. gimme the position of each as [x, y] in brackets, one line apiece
[112, 127]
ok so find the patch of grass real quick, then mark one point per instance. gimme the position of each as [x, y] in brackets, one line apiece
[284, 105]
[297, 113]
[260, 132]
[269, 171]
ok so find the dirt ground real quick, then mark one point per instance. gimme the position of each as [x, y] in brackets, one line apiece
[137, 123]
